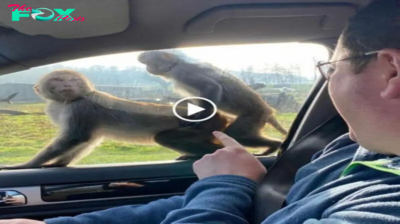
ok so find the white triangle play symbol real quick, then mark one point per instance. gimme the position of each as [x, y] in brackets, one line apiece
[193, 109]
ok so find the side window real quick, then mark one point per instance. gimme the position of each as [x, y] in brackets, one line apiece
[280, 75]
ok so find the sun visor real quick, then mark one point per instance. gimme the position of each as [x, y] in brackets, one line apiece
[65, 19]
[281, 18]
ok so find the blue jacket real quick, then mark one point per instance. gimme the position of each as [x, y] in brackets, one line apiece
[344, 184]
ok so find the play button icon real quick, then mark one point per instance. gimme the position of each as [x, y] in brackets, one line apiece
[191, 107]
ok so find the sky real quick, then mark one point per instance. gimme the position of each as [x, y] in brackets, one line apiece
[232, 57]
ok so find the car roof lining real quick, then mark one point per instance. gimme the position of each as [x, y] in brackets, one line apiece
[182, 23]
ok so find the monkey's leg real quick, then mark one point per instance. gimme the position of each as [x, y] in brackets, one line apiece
[59, 147]
[208, 88]
[75, 154]
[246, 129]
[191, 143]
[274, 147]
[274, 122]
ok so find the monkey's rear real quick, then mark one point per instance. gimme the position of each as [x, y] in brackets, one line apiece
[229, 93]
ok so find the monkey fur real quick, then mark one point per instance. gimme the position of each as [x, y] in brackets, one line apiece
[85, 117]
[229, 93]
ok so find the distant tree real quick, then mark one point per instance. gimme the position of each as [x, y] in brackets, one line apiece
[247, 75]
[278, 74]
[315, 68]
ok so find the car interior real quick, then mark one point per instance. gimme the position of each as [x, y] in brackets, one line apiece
[122, 26]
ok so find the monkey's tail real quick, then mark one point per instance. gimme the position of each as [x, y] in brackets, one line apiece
[274, 122]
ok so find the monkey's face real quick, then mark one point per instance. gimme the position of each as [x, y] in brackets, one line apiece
[158, 62]
[63, 87]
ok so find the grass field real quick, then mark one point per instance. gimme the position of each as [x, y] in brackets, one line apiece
[24, 135]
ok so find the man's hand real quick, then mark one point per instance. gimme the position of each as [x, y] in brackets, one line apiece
[234, 159]
[20, 221]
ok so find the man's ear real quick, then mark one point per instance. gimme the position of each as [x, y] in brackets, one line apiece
[390, 59]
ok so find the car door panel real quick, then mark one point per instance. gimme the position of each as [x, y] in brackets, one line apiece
[55, 192]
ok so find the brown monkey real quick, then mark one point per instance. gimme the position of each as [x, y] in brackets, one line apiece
[229, 93]
[86, 116]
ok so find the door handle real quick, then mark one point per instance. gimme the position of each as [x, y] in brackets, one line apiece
[12, 198]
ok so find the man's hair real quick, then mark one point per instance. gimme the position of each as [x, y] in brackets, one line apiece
[375, 27]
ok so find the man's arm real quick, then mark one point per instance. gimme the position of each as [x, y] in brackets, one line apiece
[153, 212]
[217, 199]
[228, 180]
[226, 197]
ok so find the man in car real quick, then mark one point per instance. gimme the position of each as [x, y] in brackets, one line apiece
[355, 179]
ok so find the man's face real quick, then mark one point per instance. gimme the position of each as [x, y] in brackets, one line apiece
[373, 118]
